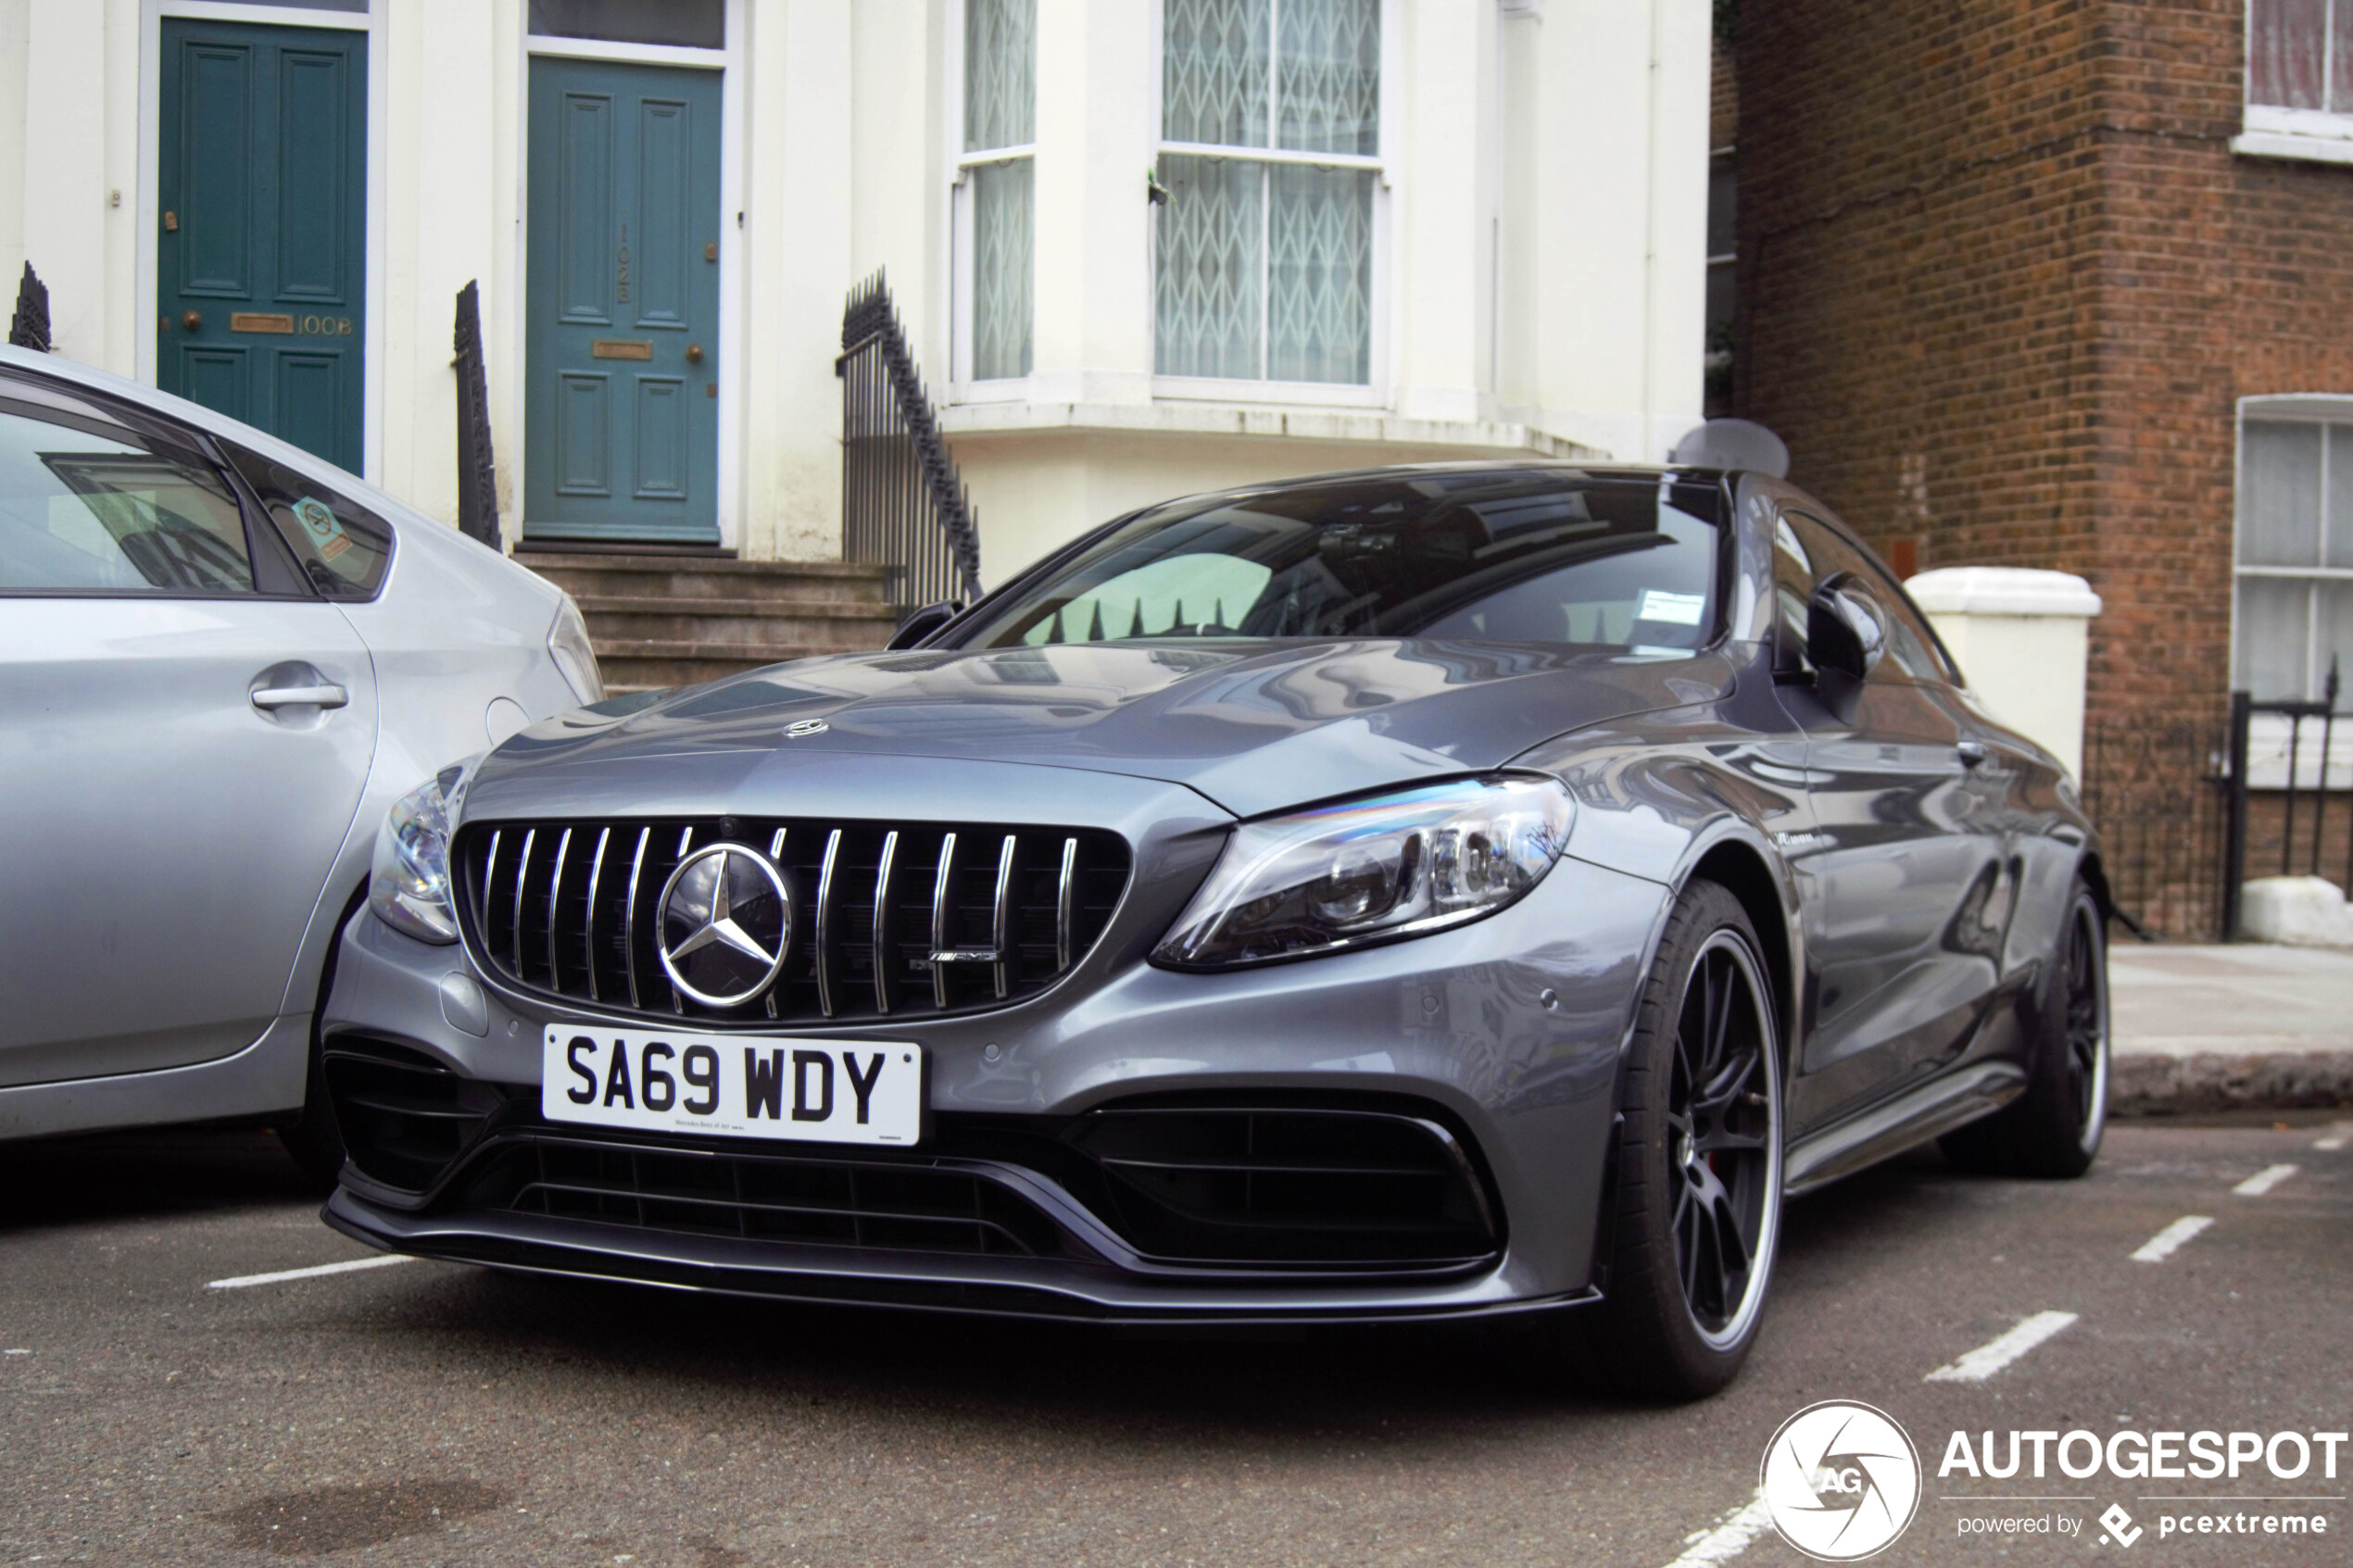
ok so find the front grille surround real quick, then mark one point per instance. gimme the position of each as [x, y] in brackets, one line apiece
[567, 910]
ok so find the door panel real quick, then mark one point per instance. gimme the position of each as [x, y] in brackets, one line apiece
[263, 174]
[1890, 891]
[622, 421]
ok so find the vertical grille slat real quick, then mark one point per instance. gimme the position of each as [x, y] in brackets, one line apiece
[1064, 887]
[1000, 926]
[588, 927]
[882, 923]
[939, 910]
[522, 877]
[825, 936]
[547, 906]
[629, 915]
[556, 907]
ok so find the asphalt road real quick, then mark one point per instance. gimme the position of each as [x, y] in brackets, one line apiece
[425, 1413]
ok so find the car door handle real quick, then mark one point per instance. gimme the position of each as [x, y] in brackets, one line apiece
[295, 696]
[1972, 752]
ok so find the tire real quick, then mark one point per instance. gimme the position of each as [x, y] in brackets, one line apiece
[2053, 1130]
[1695, 1166]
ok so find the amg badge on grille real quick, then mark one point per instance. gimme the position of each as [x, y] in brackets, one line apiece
[726, 925]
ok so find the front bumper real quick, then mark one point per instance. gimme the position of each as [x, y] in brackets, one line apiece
[1505, 1033]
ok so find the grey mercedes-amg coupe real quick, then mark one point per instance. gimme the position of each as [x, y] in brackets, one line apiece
[1421, 893]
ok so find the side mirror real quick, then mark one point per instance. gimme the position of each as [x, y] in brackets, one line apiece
[1845, 638]
[920, 625]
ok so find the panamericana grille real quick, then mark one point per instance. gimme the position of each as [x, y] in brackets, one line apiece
[899, 1206]
[887, 920]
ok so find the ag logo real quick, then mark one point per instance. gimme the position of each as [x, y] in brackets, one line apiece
[1841, 1481]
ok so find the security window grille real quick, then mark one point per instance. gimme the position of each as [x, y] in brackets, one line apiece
[1270, 156]
[2295, 602]
[996, 226]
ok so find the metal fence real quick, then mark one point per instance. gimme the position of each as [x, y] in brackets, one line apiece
[29, 327]
[903, 505]
[2300, 818]
[2158, 788]
[477, 473]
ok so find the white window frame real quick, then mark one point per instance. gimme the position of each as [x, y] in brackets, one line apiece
[2268, 732]
[961, 387]
[1375, 391]
[730, 63]
[2271, 130]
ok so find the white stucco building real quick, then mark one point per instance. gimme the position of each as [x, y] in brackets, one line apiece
[1141, 246]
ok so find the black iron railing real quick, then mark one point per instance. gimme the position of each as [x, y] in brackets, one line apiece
[2299, 844]
[2157, 786]
[477, 473]
[29, 328]
[903, 505]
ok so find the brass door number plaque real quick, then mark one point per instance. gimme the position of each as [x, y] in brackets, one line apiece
[258, 321]
[620, 348]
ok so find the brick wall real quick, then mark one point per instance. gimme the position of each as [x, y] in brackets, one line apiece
[2002, 282]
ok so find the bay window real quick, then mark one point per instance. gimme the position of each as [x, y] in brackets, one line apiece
[1269, 170]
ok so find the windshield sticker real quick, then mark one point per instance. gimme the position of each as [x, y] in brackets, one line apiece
[1661, 608]
[327, 535]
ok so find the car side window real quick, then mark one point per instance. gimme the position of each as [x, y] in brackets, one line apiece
[344, 549]
[1911, 648]
[89, 506]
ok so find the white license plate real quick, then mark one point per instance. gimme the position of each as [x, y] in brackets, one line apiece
[817, 1091]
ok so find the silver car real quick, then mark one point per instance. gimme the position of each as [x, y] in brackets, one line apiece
[221, 661]
[1424, 892]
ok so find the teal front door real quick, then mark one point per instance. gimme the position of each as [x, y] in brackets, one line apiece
[621, 340]
[261, 264]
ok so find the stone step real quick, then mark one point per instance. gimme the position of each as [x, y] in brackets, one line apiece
[708, 577]
[635, 665]
[755, 624]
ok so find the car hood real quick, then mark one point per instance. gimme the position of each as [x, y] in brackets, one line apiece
[1252, 726]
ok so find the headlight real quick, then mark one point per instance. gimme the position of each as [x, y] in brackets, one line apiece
[1372, 870]
[409, 883]
[574, 655]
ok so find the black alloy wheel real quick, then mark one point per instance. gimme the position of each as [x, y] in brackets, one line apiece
[1688, 1243]
[2053, 1128]
[1720, 1114]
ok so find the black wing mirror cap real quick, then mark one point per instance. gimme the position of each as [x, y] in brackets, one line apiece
[1846, 639]
[920, 625]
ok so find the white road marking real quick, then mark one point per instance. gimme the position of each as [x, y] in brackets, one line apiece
[1987, 1359]
[2166, 1242]
[387, 1260]
[2333, 1142]
[1729, 1537]
[2264, 1180]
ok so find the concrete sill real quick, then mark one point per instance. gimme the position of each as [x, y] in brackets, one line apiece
[972, 421]
[2301, 149]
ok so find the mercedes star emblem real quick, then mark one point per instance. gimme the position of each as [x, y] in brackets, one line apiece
[726, 925]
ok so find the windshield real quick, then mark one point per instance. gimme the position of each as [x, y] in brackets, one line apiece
[1511, 555]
